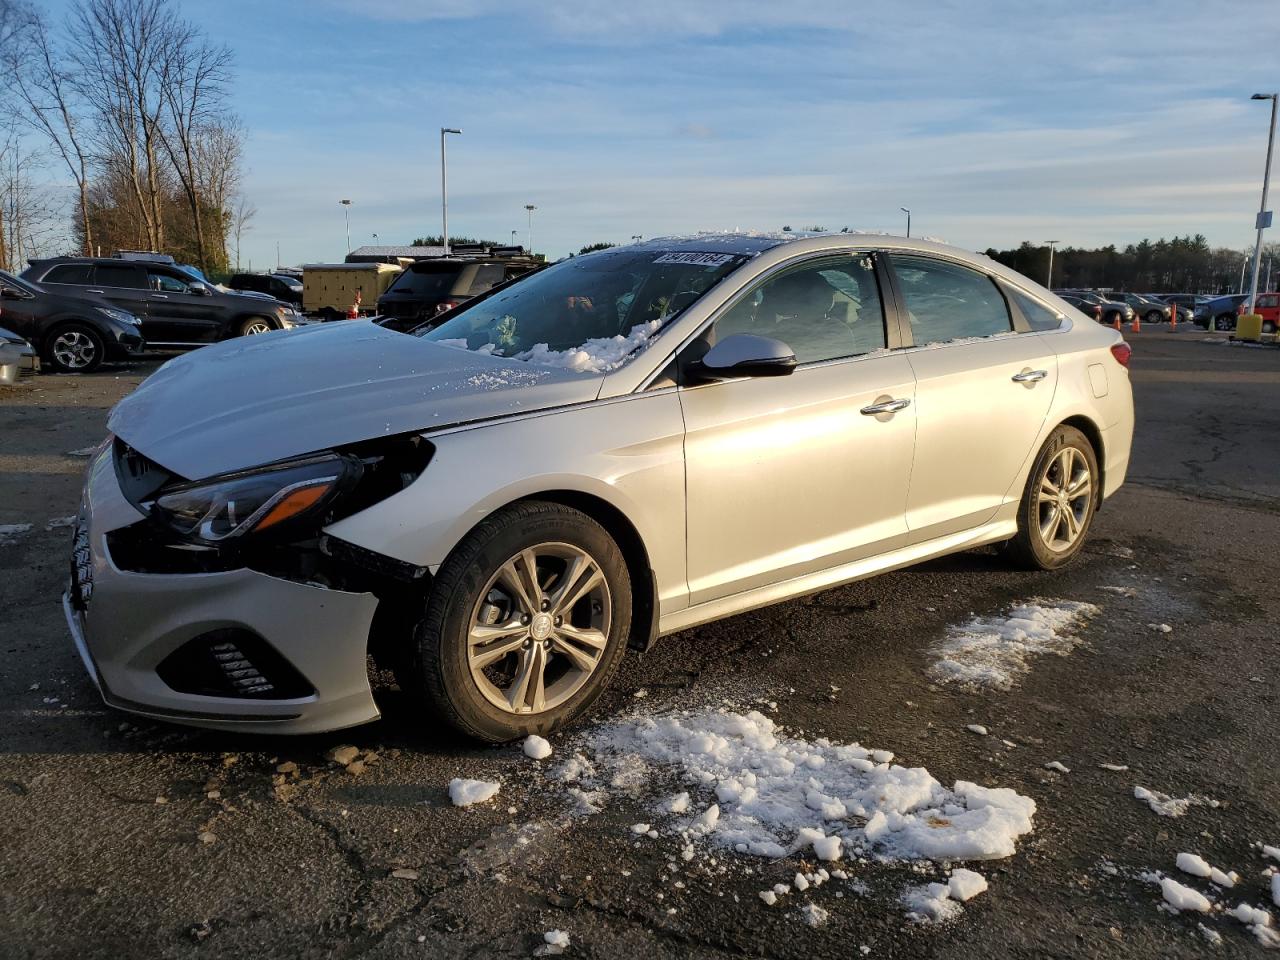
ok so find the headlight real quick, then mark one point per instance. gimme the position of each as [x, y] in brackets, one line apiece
[120, 316]
[254, 501]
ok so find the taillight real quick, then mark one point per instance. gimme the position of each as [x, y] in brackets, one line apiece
[1122, 352]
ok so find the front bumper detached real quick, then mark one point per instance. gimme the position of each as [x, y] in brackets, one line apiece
[230, 650]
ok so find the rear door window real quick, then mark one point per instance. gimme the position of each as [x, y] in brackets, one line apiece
[120, 277]
[77, 273]
[947, 302]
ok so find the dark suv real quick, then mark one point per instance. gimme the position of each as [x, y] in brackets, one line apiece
[73, 334]
[175, 308]
[284, 289]
[430, 287]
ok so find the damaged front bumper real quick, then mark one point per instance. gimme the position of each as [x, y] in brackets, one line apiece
[228, 649]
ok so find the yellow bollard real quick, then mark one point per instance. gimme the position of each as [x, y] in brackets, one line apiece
[1249, 327]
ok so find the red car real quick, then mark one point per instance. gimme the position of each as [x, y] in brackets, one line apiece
[1269, 307]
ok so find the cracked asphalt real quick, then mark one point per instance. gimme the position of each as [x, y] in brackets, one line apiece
[126, 838]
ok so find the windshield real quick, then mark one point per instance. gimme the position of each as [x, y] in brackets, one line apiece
[433, 281]
[587, 313]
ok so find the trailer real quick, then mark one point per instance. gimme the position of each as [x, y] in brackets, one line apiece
[329, 289]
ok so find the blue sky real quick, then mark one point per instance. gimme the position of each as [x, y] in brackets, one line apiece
[1089, 122]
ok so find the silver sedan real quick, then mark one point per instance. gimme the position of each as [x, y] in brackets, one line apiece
[620, 446]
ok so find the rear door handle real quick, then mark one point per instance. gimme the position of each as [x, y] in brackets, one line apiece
[95, 291]
[1030, 376]
[886, 406]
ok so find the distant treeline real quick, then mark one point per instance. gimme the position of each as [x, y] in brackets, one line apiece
[1181, 265]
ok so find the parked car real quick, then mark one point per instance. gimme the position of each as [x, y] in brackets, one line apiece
[1111, 310]
[176, 309]
[15, 354]
[285, 289]
[1092, 310]
[428, 288]
[624, 445]
[1268, 307]
[73, 334]
[1186, 311]
[1148, 308]
[1219, 313]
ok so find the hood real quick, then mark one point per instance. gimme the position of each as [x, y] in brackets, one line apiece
[253, 400]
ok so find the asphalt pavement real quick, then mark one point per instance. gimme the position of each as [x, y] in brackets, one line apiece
[124, 838]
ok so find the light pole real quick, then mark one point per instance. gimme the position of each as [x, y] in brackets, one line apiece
[513, 237]
[1049, 282]
[530, 207]
[908, 213]
[1243, 263]
[1264, 215]
[444, 191]
[346, 216]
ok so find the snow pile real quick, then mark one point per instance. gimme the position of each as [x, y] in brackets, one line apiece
[930, 903]
[598, 355]
[536, 747]
[993, 652]
[768, 795]
[464, 792]
[1183, 898]
[1258, 922]
[9, 532]
[554, 943]
[1167, 806]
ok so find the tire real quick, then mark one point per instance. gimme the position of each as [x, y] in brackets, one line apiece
[1268, 327]
[484, 699]
[74, 348]
[1153, 316]
[1224, 321]
[1032, 547]
[251, 326]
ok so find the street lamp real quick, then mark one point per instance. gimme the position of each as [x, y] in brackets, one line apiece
[1264, 215]
[346, 216]
[1049, 282]
[444, 191]
[908, 213]
[513, 237]
[530, 207]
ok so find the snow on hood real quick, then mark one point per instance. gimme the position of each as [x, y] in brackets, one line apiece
[245, 402]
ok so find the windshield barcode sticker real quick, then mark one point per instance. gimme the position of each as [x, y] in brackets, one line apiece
[697, 259]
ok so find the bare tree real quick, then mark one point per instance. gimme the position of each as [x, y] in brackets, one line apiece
[195, 74]
[29, 215]
[242, 214]
[44, 94]
[218, 163]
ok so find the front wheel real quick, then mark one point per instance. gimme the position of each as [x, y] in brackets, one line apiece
[1153, 316]
[254, 326]
[1058, 503]
[75, 348]
[525, 626]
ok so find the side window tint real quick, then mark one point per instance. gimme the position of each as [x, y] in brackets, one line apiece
[946, 301]
[822, 310]
[77, 273]
[165, 283]
[1039, 317]
[107, 275]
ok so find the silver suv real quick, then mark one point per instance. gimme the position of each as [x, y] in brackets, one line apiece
[624, 445]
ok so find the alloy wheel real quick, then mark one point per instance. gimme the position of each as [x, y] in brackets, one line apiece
[255, 327]
[74, 350]
[540, 628]
[1063, 500]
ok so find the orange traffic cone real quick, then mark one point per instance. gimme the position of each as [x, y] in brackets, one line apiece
[1173, 319]
[354, 312]
[1136, 326]
[1116, 322]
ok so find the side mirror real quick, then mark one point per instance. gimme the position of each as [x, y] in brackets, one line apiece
[199, 289]
[744, 355]
[12, 293]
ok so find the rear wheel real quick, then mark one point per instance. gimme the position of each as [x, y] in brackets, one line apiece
[1153, 316]
[254, 326]
[75, 348]
[525, 626]
[1058, 503]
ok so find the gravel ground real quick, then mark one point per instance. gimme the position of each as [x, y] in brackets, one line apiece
[130, 838]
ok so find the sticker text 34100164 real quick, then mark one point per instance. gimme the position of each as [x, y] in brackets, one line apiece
[697, 259]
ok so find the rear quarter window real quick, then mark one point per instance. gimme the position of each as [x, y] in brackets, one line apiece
[1038, 316]
[77, 273]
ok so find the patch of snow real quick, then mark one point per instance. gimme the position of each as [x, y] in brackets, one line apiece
[536, 748]
[769, 897]
[977, 728]
[59, 523]
[930, 903]
[1213, 936]
[464, 792]
[639, 828]
[1193, 864]
[779, 794]
[10, 532]
[1221, 879]
[1167, 806]
[1182, 897]
[1272, 852]
[83, 451]
[994, 652]
[1275, 889]
[1259, 924]
[1160, 627]
[677, 804]
[966, 884]
[598, 355]
[1114, 767]
[1058, 766]
[814, 915]
[554, 943]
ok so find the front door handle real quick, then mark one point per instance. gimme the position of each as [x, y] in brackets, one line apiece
[1030, 376]
[886, 406]
[159, 296]
[95, 291]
